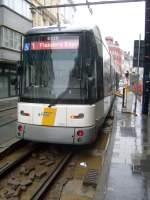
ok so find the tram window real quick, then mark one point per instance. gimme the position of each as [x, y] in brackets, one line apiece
[99, 63]
[91, 67]
[54, 73]
[99, 48]
[95, 70]
[100, 77]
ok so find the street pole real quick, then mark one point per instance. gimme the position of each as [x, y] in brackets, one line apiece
[137, 79]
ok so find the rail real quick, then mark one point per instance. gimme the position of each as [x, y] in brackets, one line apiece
[52, 175]
[31, 170]
[6, 166]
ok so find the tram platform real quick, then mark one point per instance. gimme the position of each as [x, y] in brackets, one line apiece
[8, 103]
[128, 176]
[7, 122]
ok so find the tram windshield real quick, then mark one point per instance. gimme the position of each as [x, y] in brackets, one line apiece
[53, 68]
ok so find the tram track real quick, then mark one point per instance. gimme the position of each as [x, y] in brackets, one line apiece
[52, 175]
[7, 162]
[27, 172]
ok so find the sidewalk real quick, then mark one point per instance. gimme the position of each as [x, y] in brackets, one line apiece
[129, 176]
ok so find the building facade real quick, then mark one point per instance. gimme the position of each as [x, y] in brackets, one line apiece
[67, 14]
[116, 53]
[44, 17]
[50, 16]
[127, 62]
[15, 20]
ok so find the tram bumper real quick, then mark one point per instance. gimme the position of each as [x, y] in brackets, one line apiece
[60, 135]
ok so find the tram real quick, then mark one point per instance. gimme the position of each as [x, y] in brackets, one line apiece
[66, 85]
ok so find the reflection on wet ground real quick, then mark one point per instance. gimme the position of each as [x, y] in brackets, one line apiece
[129, 177]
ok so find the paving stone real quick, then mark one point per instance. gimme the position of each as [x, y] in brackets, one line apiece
[72, 164]
[1, 187]
[14, 198]
[3, 193]
[30, 168]
[25, 170]
[3, 198]
[23, 188]
[63, 181]
[26, 182]
[42, 157]
[17, 192]
[54, 195]
[50, 157]
[32, 175]
[41, 174]
[10, 193]
[14, 187]
[14, 182]
[22, 170]
[42, 162]
[34, 155]
[49, 163]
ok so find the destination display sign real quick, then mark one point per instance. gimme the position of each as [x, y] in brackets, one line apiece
[52, 42]
[60, 44]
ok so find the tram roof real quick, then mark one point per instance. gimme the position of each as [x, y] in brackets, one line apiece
[63, 28]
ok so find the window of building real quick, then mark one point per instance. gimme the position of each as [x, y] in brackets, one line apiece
[1, 37]
[20, 6]
[10, 39]
[17, 40]
[5, 37]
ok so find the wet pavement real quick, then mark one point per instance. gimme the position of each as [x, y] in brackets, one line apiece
[129, 176]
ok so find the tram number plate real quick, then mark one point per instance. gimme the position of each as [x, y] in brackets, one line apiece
[48, 118]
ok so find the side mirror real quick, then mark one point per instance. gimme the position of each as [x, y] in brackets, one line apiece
[19, 68]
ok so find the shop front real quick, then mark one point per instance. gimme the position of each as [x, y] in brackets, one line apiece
[8, 77]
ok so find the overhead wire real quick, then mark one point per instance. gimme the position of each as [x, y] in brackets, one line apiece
[87, 3]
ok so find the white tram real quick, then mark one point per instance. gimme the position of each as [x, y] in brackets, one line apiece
[67, 85]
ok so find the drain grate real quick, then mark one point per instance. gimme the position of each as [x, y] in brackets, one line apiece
[145, 165]
[91, 178]
[128, 131]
